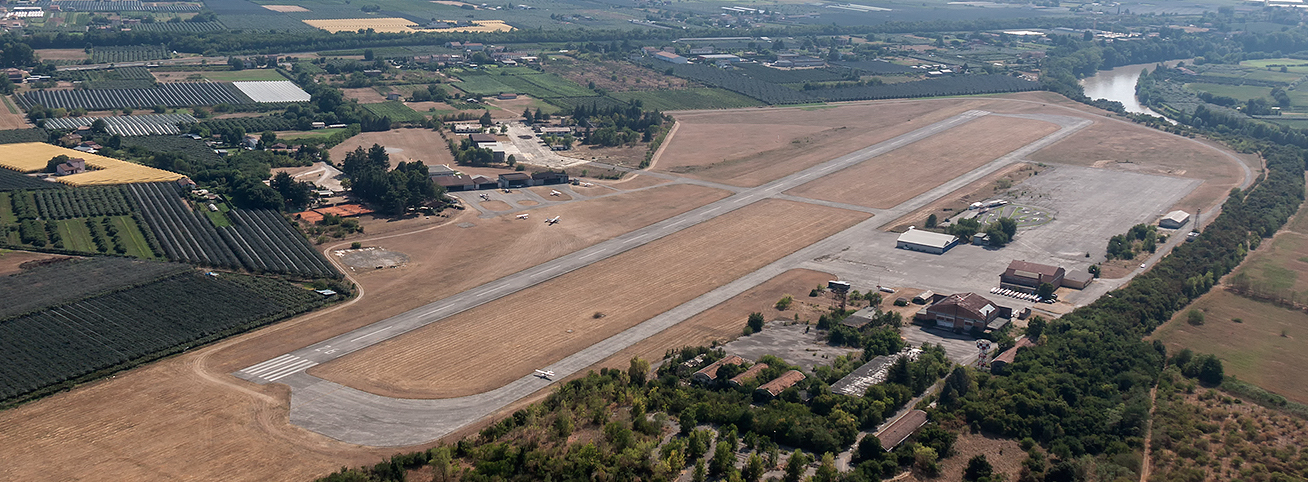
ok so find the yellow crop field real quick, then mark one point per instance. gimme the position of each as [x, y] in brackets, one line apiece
[480, 26]
[385, 25]
[33, 156]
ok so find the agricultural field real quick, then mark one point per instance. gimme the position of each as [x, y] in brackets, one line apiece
[479, 26]
[395, 110]
[35, 289]
[740, 83]
[108, 332]
[11, 180]
[10, 116]
[686, 99]
[188, 27]
[259, 240]
[380, 25]
[247, 75]
[272, 91]
[480, 84]
[544, 86]
[1239, 92]
[135, 53]
[80, 202]
[613, 76]
[134, 125]
[964, 85]
[692, 262]
[884, 182]
[180, 94]
[34, 156]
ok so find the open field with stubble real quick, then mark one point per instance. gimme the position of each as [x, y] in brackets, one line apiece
[583, 307]
[892, 178]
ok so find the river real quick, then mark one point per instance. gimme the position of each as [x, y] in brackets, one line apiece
[1119, 85]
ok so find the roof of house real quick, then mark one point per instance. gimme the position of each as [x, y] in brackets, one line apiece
[514, 176]
[711, 371]
[971, 304]
[903, 428]
[748, 374]
[666, 55]
[786, 380]
[1042, 272]
[1011, 354]
[927, 238]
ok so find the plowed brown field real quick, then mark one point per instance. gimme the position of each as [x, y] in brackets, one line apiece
[530, 329]
[892, 178]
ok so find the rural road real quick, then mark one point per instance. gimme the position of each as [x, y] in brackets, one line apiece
[358, 417]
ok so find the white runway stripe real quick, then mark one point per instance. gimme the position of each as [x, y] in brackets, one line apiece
[296, 367]
[273, 366]
[266, 363]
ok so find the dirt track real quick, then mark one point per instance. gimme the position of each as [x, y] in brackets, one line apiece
[429, 362]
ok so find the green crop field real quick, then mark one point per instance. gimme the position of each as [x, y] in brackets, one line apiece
[1240, 92]
[76, 236]
[132, 237]
[6, 210]
[395, 110]
[243, 75]
[667, 100]
[1291, 65]
[545, 86]
[300, 136]
[482, 85]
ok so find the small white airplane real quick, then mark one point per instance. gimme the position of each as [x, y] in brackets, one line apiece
[555, 193]
[522, 216]
[484, 197]
[546, 374]
[552, 221]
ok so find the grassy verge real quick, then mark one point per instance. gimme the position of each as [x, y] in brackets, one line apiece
[6, 210]
[132, 237]
[10, 105]
[76, 236]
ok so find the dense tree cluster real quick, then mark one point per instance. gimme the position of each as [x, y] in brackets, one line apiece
[392, 191]
[618, 125]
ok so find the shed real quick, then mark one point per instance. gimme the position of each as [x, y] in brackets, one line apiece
[902, 429]
[926, 241]
[1174, 220]
[709, 373]
[483, 182]
[459, 182]
[860, 317]
[776, 386]
[1078, 279]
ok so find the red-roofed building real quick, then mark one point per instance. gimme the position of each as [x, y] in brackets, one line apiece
[709, 374]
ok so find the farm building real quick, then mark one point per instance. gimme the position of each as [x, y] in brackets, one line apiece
[720, 58]
[514, 179]
[860, 317]
[506, 96]
[903, 428]
[747, 375]
[1027, 277]
[1174, 220]
[72, 166]
[963, 311]
[780, 384]
[548, 177]
[671, 58]
[466, 128]
[709, 374]
[1000, 363]
[926, 241]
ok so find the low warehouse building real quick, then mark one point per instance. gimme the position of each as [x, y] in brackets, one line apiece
[773, 388]
[747, 375]
[514, 179]
[1027, 277]
[1078, 279]
[926, 241]
[903, 428]
[709, 374]
[1174, 220]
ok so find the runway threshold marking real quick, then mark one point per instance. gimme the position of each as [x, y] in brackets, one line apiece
[279, 367]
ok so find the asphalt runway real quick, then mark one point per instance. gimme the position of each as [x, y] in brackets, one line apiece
[358, 417]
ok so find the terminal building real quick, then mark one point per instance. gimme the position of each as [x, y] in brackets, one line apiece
[926, 241]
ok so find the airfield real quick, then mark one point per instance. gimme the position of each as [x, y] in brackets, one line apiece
[432, 347]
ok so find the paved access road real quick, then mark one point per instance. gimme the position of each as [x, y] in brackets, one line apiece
[363, 418]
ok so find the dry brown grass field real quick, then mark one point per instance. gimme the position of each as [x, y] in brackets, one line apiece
[286, 8]
[887, 180]
[725, 321]
[365, 95]
[12, 261]
[413, 144]
[1268, 346]
[432, 362]
[11, 117]
[63, 54]
[749, 150]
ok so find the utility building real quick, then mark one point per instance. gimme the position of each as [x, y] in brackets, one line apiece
[1174, 220]
[926, 241]
[1027, 277]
